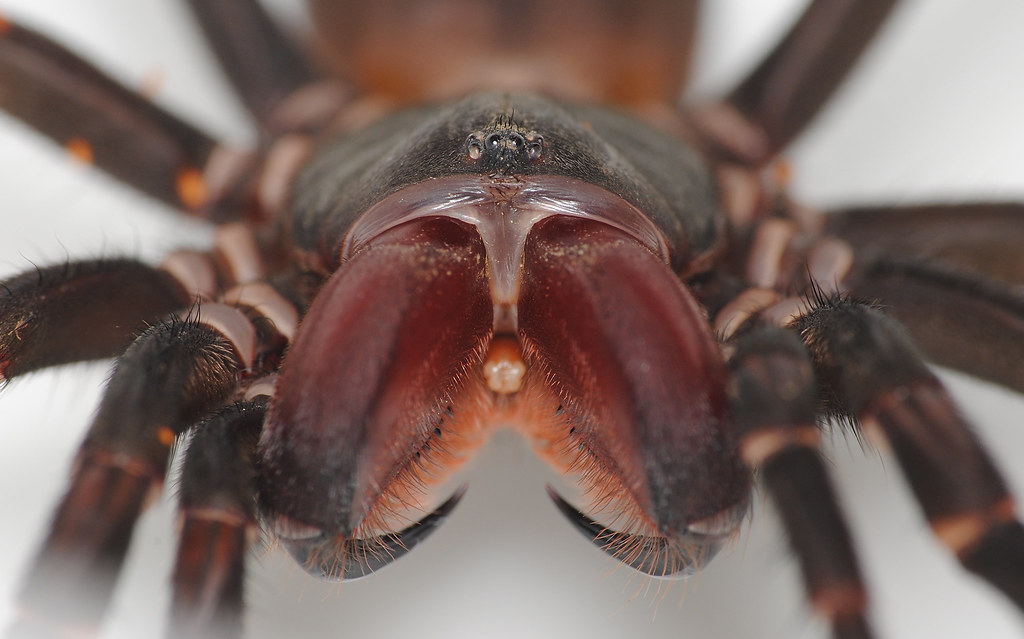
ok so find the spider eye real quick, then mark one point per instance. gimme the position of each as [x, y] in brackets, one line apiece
[536, 147]
[474, 148]
[505, 141]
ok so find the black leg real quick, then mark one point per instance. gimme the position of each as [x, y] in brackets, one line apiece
[172, 374]
[774, 397]
[871, 370]
[217, 506]
[266, 69]
[784, 93]
[789, 87]
[951, 274]
[103, 123]
[80, 311]
[960, 319]
[93, 309]
[982, 237]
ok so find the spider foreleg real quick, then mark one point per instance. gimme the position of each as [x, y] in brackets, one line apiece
[774, 398]
[871, 369]
[80, 311]
[92, 309]
[218, 512]
[171, 375]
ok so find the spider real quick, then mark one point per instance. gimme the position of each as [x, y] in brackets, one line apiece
[397, 583]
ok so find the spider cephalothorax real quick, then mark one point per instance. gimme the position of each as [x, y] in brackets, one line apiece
[409, 260]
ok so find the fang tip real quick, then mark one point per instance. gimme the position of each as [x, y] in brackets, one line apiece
[660, 557]
[333, 558]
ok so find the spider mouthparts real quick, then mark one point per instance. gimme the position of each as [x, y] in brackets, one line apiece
[336, 558]
[674, 557]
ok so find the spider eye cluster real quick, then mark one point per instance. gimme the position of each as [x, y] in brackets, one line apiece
[504, 147]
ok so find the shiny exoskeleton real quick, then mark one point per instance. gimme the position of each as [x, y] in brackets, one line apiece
[493, 221]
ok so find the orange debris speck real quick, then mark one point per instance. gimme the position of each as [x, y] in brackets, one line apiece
[80, 150]
[5, 25]
[165, 435]
[191, 188]
[783, 173]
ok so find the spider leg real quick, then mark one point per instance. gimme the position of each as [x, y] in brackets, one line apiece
[171, 375]
[274, 79]
[103, 123]
[218, 512]
[960, 319]
[984, 237]
[79, 311]
[773, 393]
[218, 508]
[870, 369]
[92, 309]
[951, 274]
[777, 100]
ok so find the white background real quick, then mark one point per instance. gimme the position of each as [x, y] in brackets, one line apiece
[936, 111]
